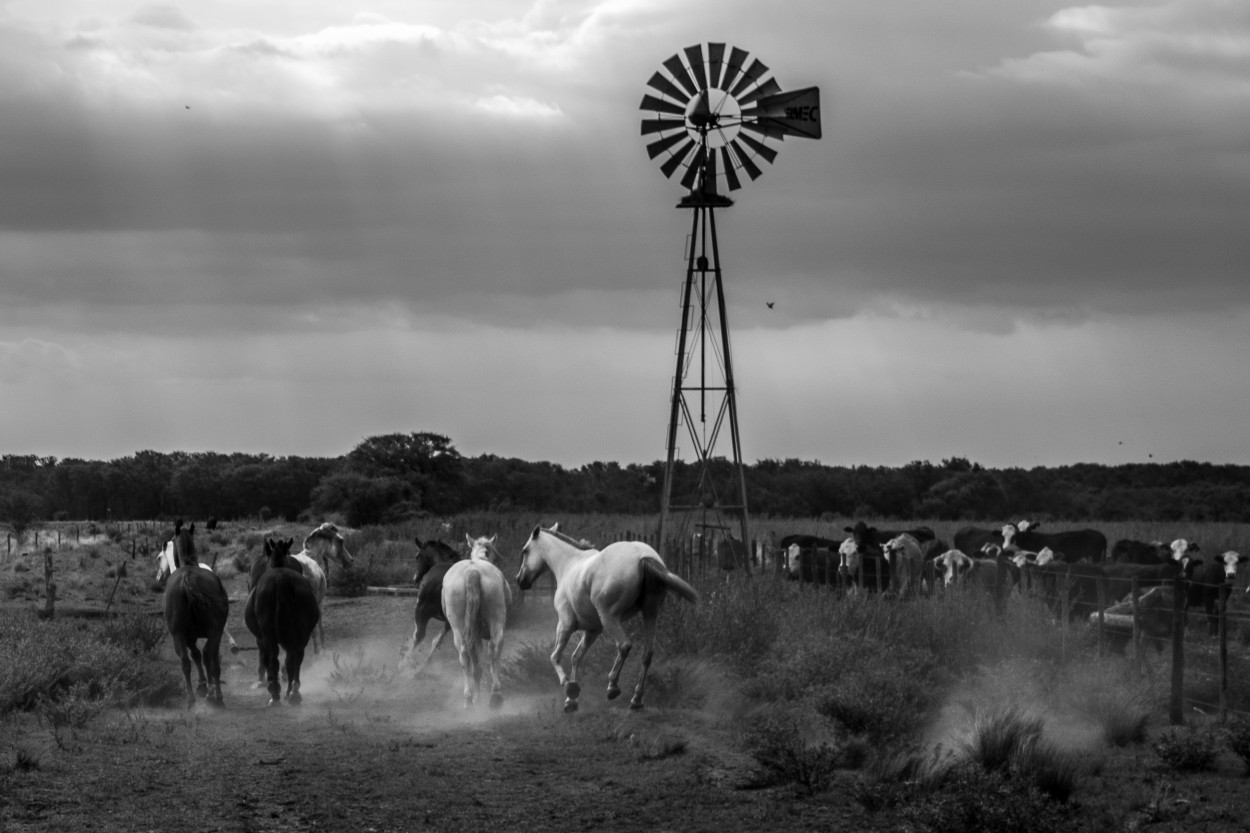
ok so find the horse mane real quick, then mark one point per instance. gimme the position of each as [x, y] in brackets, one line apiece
[579, 543]
[446, 549]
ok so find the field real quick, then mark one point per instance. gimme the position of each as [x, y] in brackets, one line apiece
[770, 708]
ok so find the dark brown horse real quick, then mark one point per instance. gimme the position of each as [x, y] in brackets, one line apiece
[433, 560]
[196, 607]
[282, 612]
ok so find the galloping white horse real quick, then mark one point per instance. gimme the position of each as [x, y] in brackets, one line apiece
[327, 543]
[476, 594]
[597, 590]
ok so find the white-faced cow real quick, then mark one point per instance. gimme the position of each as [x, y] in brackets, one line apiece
[906, 563]
[1070, 545]
[1211, 584]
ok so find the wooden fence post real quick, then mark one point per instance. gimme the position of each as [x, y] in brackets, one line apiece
[1223, 610]
[1102, 622]
[1176, 710]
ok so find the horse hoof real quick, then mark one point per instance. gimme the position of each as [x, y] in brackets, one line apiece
[496, 700]
[201, 690]
[273, 701]
[294, 699]
[570, 706]
[572, 690]
[635, 705]
[613, 692]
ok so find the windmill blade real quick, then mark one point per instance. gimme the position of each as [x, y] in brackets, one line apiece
[650, 126]
[697, 166]
[679, 73]
[759, 147]
[662, 85]
[748, 164]
[731, 176]
[752, 74]
[736, 58]
[675, 161]
[715, 54]
[767, 88]
[657, 147]
[694, 57]
[764, 127]
[661, 105]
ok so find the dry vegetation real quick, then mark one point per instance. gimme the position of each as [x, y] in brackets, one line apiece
[769, 704]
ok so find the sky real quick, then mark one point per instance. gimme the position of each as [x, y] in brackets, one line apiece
[281, 227]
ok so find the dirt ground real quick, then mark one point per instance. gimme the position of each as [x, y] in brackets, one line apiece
[373, 750]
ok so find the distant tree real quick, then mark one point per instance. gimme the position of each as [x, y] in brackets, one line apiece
[21, 511]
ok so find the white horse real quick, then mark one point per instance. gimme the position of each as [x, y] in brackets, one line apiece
[476, 594]
[596, 591]
[327, 543]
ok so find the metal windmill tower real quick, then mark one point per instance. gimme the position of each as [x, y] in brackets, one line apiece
[715, 114]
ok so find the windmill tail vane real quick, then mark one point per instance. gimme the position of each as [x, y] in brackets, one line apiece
[715, 114]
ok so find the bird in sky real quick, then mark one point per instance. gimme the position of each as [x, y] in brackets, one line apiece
[770, 304]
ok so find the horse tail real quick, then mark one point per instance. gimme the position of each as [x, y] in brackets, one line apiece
[472, 607]
[654, 572]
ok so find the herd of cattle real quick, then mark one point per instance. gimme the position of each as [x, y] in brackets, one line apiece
[1071, 566]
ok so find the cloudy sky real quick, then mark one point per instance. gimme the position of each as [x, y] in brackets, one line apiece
[286, 225]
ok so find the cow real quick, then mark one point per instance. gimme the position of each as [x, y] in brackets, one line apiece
[970, 539]
[815, 565]
[906, 564]
[1120, 577]
[1128, 551]
[869, 536]
[1074, 544]
[1211, 584]
[866, 569]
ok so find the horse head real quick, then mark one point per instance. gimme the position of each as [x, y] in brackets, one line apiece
[429, 553]
[533, 560]
[276, 552]
[184, 545]
[328, 542]
[483, 549]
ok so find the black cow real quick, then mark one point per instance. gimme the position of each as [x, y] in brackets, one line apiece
[1211, 584]
[866, 536]
[1128, 551]
[815, 565]
[1120, 577]
[971, 540]
[1070, 545]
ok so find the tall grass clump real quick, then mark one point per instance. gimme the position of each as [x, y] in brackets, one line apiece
[1187, 750]
[46, 661]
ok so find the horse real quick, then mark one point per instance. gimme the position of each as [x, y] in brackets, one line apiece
[597, 590]
[282, 612]
[196, 607]
[434, 558]
[476, 597]
[166, 563]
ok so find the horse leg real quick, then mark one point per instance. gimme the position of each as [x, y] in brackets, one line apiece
[616, 631]
[212, 663]
[495, 649]
[575, 661]
[571, 689]
[438, 640]
[202, 688]
[465, 652]
[270, 656]
[180, 647]
[294, 658]
[648, 640]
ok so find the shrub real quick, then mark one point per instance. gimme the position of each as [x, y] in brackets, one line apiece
[1238, 734]
[787, 752]
[140, 632]
[1188, 751]
[973, 798]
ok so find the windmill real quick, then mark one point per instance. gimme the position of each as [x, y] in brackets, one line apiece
[712, 114]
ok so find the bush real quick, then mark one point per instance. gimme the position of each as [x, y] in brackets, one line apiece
[788, 753]
[139, 632]
[1238, 734]
[973, 798]
[1187, 751]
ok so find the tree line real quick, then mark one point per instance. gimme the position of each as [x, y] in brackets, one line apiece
[397, 477]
